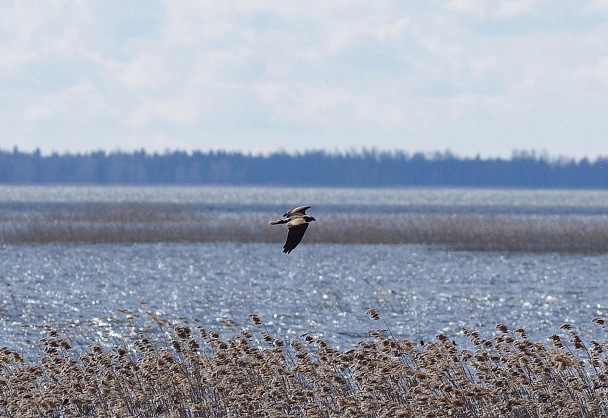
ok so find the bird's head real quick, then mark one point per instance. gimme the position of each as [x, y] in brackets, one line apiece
[310, 219]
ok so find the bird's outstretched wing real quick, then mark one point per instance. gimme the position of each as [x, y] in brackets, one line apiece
[299, 211]
[297, 228]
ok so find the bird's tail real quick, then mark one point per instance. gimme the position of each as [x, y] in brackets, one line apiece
[278, 221]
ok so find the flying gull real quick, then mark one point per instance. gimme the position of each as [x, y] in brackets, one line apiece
[297, 221]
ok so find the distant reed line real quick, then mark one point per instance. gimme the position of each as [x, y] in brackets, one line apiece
[147, 223]
[198, 372]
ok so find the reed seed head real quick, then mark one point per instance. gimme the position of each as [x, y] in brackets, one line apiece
[373, 314]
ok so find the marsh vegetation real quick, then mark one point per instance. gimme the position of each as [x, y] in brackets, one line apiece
[243, 370]
[98, 222]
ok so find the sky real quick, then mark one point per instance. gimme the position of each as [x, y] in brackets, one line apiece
[473, 77]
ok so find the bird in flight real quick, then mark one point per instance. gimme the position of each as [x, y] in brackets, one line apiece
[297, 221]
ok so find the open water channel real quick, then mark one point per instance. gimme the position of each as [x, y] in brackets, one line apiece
[322, 289]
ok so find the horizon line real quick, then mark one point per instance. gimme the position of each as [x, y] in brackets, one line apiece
[542, 155]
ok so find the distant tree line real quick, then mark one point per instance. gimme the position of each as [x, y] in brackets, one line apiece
[366, 168]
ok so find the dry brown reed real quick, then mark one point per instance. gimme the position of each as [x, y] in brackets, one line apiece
[160, 222]
[199, 373]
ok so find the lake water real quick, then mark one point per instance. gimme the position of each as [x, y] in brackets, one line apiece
[322, 289]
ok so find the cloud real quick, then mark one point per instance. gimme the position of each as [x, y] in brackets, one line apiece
[143, 72]
[598, 71]
[470, 75]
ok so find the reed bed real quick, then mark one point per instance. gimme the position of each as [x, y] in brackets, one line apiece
[155, 222]
[197, 372]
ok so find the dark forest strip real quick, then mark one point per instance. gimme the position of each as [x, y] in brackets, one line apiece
[311, 168]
